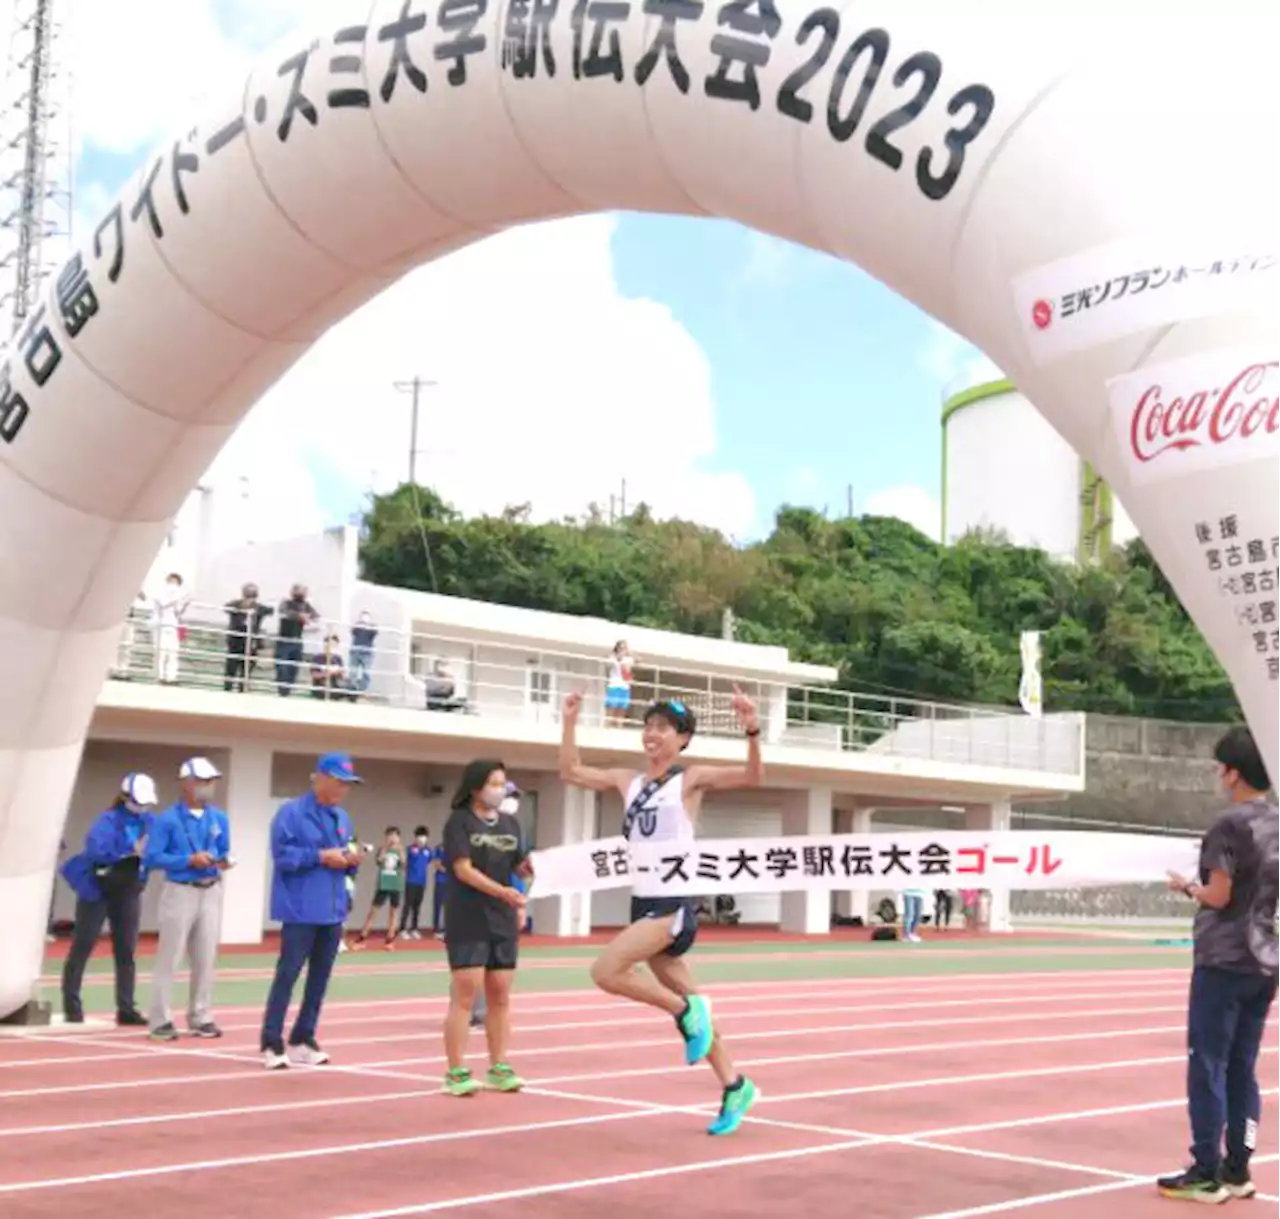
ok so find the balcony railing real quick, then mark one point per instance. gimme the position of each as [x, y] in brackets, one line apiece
[437, 672]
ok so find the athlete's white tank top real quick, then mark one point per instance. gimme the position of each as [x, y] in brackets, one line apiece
[662, 818]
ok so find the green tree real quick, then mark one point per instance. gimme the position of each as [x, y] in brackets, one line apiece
[890, 609]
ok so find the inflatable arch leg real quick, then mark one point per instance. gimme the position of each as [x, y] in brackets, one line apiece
[1081, 189]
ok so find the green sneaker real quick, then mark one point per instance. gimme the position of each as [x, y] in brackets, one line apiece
[460, 1082]
[1194, 1185]
[696, 1028]
[502, 1078]
[734, 1106]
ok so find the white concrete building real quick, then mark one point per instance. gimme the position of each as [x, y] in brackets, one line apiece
[1004, 468]
[832, 758]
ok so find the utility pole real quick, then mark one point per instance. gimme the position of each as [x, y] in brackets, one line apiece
[849, 498]
[415, 388]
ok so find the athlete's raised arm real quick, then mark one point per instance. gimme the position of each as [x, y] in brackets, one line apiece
[572, 771]
[733, 778]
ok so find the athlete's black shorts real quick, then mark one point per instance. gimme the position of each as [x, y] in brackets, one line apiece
[383, 896]
[686, 931]
[494, 953]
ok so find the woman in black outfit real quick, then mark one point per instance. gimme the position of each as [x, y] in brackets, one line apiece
[108, 877]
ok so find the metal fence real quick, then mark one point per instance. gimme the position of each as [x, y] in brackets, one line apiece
[1139, 903]
[439, 672]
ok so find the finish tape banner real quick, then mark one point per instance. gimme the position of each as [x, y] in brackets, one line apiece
[1016, 859]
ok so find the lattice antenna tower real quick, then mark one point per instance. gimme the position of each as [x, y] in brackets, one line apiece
[36, 157]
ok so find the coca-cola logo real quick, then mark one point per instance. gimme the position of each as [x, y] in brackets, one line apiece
[1246, 406]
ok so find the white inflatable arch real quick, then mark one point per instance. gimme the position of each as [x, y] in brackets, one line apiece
[1085, 190]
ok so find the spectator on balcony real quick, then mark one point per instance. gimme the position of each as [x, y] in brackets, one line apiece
[328, 674]
[244, 637]
[362, 636]
[617, 690]
[296, 614]
[442, 689]
[168, 611]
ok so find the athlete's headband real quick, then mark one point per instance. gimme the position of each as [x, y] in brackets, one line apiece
[676, 713]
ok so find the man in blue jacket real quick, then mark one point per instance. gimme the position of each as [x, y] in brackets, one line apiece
[191, 844]
[313, 853]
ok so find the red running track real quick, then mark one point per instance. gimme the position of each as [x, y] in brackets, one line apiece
[924, 1097]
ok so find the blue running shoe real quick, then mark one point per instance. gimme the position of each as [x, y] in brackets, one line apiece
[734, 1107]
[695, 1028]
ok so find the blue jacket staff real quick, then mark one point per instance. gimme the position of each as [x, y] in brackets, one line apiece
[314, 854]
[190, 844]
[108, 877]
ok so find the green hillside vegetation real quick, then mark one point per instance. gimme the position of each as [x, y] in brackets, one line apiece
[895, 612]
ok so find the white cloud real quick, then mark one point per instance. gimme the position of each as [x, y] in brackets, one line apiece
[913, 504]
[768, 259]
[953, 362]
[552, 387]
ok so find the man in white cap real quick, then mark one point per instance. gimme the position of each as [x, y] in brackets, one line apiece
[190, 843]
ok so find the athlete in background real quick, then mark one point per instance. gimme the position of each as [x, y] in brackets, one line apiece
[662, 804]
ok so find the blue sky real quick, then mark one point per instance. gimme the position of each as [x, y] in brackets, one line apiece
[822, 379]
[797, 336]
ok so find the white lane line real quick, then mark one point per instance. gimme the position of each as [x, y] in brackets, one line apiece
[646, 1020]
[990, 983]
[676, 1068]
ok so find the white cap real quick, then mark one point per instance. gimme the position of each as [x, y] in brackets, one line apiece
[199, 769]
[141, 789]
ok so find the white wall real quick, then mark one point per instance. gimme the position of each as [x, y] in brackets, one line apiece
[567, 632]
[324, 562]
[1007, 469]
[395, 793]
[1051, 743]
[1033, 496]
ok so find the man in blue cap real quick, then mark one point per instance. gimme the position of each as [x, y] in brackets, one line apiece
[314, 854]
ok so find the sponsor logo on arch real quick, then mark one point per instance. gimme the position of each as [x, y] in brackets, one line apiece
[1134, 285]
[1212, 410]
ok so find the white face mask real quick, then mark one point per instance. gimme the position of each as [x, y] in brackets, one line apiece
[492, 797]
[203, 792]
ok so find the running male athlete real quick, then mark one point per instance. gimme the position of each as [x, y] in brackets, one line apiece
[661, 804]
